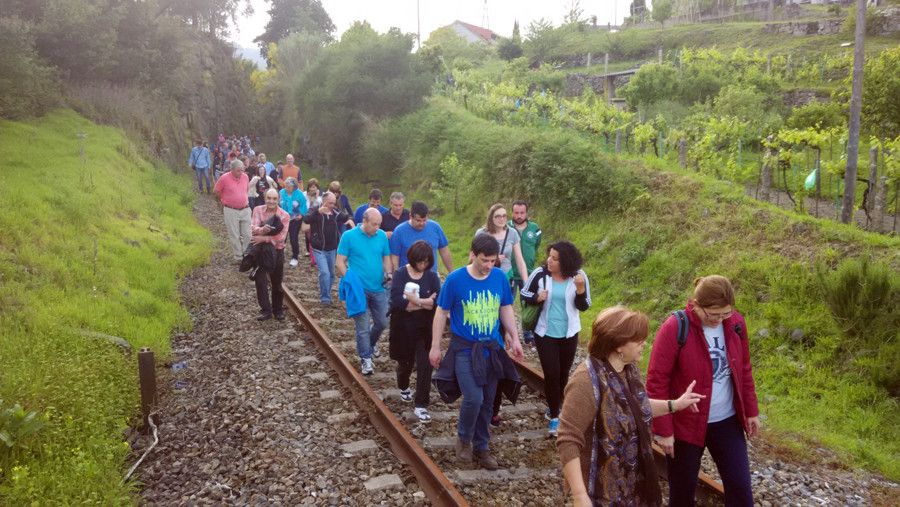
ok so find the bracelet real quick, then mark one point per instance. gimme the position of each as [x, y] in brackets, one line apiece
[671, 406]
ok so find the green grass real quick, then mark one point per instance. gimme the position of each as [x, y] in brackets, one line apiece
[95, 246]
[673, 226]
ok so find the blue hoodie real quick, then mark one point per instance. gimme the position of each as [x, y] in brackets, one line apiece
[287, 202]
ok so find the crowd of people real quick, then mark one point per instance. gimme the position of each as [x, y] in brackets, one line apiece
[699, 392]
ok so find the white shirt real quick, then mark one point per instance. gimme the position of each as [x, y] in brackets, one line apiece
[721, 405]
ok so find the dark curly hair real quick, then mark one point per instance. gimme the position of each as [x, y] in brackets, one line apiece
[570, 260]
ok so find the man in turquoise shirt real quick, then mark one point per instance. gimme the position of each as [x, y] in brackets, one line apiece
[365, 250]
[530, 234]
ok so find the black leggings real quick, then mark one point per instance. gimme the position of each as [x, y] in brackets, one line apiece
[293, 233]
[556, 355]
[423, 372]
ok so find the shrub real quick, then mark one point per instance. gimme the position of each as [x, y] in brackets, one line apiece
[822, 115]
[30, 86]
[863, 298]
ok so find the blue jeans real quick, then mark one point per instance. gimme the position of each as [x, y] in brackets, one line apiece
[202, 173]
[728, 448]
[367, 337]
[325, 263]
[477, 402]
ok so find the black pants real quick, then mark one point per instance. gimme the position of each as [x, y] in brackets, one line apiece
[728, 448]
[556, 355]
[262, 286]
[294, 234]
[423, 373]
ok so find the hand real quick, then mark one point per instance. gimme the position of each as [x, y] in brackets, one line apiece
[581, 500]
[542, 296]
[434, 357]
[667, 444]
[516, 349]
[501, 257]
[257, 240]
[752, 426]
[579, 282]
[688, 399]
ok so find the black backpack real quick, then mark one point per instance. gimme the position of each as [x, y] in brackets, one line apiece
[683, 325]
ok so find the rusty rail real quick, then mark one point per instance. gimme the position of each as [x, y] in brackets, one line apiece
[431, 479]
[710, 489]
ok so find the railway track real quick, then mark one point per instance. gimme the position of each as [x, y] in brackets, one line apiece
[529, 473]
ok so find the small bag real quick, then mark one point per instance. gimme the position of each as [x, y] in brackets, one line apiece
[530, 315]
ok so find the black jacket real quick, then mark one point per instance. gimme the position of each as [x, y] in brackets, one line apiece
[444, 378]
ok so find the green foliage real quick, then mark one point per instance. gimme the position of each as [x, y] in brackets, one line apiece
[103, 258]
[17, 429]
[364, 78]
[651, 84]
[875, 21]
[455, 50]
[458, 185]
[508, 49]
[662, 11]
[29, 85]
[288, 17]
[881, 95]
[817, 115]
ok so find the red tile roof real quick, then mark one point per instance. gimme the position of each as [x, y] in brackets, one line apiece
[484, 33]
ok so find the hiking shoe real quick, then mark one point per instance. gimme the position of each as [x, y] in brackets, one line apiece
[463, 450]
[422, 414]
[553, 427]
[406, 395]
[264, 316]
[495, 420]
[484, 458]
[294, 263]
[367, 368]
[279, 316]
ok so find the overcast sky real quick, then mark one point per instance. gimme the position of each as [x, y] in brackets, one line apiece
[383, 14]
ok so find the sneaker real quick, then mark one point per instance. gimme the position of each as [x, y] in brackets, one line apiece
[279, 316]
[553, 427]
[375, 351]
[463, 450]
[495, 420]
[367, 368]
[305, 254]
[422, 414]
[294, 263]
[264, 316]
[484, 458]
[547, 415]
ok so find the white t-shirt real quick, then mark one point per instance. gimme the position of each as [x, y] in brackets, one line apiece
[721, 405]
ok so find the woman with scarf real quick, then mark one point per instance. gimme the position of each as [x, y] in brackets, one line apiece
[604, 435]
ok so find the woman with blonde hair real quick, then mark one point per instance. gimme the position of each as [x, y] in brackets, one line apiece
[604, 439]
[707, 343]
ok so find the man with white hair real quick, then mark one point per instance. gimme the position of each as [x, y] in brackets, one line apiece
[231, 190]
[364, 262]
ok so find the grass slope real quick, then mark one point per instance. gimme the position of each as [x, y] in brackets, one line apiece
[87, 246]
[667, 227]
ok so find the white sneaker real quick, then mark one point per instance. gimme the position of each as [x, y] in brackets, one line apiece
[294, 263]
[422, 414]
[406, 394]
[367, 367]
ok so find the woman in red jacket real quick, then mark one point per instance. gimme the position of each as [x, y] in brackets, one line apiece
[715, 352]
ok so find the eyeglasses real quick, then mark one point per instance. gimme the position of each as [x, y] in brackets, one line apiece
[716, 316]
[499, 216]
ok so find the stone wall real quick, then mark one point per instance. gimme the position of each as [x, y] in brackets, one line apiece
[803, 28]
[576, 83]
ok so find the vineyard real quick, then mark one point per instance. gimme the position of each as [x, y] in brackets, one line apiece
[737, 129]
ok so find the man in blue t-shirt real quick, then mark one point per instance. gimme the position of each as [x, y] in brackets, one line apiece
[419, 227]
[201, 163]
[374, 202]
[364, 251]
[476, 298]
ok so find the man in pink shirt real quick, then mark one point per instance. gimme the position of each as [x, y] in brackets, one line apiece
[231, 189]
[263, 232]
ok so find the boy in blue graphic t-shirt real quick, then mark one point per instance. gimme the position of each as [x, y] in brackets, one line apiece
[477, 299]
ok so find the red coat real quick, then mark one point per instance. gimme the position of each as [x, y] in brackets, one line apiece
[668, 379]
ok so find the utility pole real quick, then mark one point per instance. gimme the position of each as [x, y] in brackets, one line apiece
[855, 110]
[418, 26]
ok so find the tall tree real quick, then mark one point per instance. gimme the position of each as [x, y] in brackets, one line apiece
[662, 11]
[293, 16]
[855, 110]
